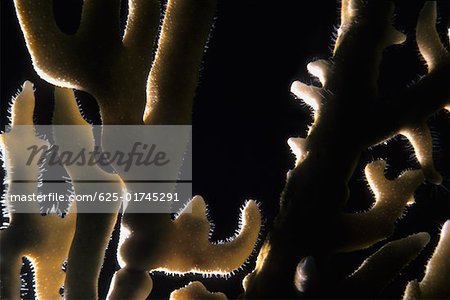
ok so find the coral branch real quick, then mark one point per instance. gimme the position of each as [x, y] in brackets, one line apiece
[365, 229]
[428, 40]
[377, 271]
[298, 148]
[186, 243]
[93, 230]
[45, 240]
[196, 291]
[142, 25]
[434, 284]
[430, 94]
[174, 75]
[350, 116]
[129, 284]
[96, 58]
[420, 138]
[47, 45]
[309, 94]
[321, 69]
[182, 246]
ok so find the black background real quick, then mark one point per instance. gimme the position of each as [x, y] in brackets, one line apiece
[244, 113]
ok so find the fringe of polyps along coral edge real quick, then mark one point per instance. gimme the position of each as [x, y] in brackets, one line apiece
[209, 259]
[217, 273]
[239, 235]
[36, 246]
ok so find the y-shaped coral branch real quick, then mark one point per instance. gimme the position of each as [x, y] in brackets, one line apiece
[115, 69]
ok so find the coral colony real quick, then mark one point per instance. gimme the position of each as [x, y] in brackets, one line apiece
[131, 92]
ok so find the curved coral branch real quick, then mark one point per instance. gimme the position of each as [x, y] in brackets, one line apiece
[185, 247]
[182, 246]
[428, 40]
[47, 45]
[420, 139]
[362, 230]
[221, 258]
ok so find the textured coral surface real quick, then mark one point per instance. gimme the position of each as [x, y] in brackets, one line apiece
[147, 74]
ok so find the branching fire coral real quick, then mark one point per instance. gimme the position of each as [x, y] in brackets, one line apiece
[187, 236]
[134, 88]
[127, 62]
[350, 116]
